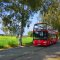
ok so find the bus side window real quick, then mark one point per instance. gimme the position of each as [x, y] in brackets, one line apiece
[53, 35]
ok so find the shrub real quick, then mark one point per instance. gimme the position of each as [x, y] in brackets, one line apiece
[30, 33]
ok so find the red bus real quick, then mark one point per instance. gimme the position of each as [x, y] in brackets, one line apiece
[42, 36]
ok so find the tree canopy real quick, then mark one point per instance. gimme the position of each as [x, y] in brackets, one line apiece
[14, 12]
[52, 16]
[19, 10]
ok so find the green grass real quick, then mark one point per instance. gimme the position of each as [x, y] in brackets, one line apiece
[6, 41]
[27, 41]
[12, 41]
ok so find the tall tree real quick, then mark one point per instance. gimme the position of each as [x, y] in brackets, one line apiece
[52, 16]
[20, 11]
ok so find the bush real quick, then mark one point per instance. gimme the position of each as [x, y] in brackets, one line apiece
[30, 33]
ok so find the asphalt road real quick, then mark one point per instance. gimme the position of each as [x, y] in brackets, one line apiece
[29, 53]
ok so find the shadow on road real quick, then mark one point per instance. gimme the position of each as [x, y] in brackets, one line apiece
[58, 43]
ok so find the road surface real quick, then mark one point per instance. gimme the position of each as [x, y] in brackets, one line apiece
[29, 53]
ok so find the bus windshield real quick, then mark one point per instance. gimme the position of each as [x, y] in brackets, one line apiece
[40, 35]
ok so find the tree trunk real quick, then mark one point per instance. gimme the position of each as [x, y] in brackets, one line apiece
[21, 34]
[22, 28]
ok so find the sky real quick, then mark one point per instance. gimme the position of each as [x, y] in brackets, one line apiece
[0, 23]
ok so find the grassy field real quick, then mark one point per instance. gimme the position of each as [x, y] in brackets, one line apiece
[12, 41]
[27, 41]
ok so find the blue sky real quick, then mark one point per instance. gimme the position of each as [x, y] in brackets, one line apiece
[0, 23]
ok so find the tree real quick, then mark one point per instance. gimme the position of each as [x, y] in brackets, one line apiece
[30, 33]
[20, 11]
[52, 16]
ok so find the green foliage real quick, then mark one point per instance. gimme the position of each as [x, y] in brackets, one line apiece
[34, 4]
[7, 0]
[30, 33]
[21, 14]
[6, 21]
[0, 0]
[52, 16]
